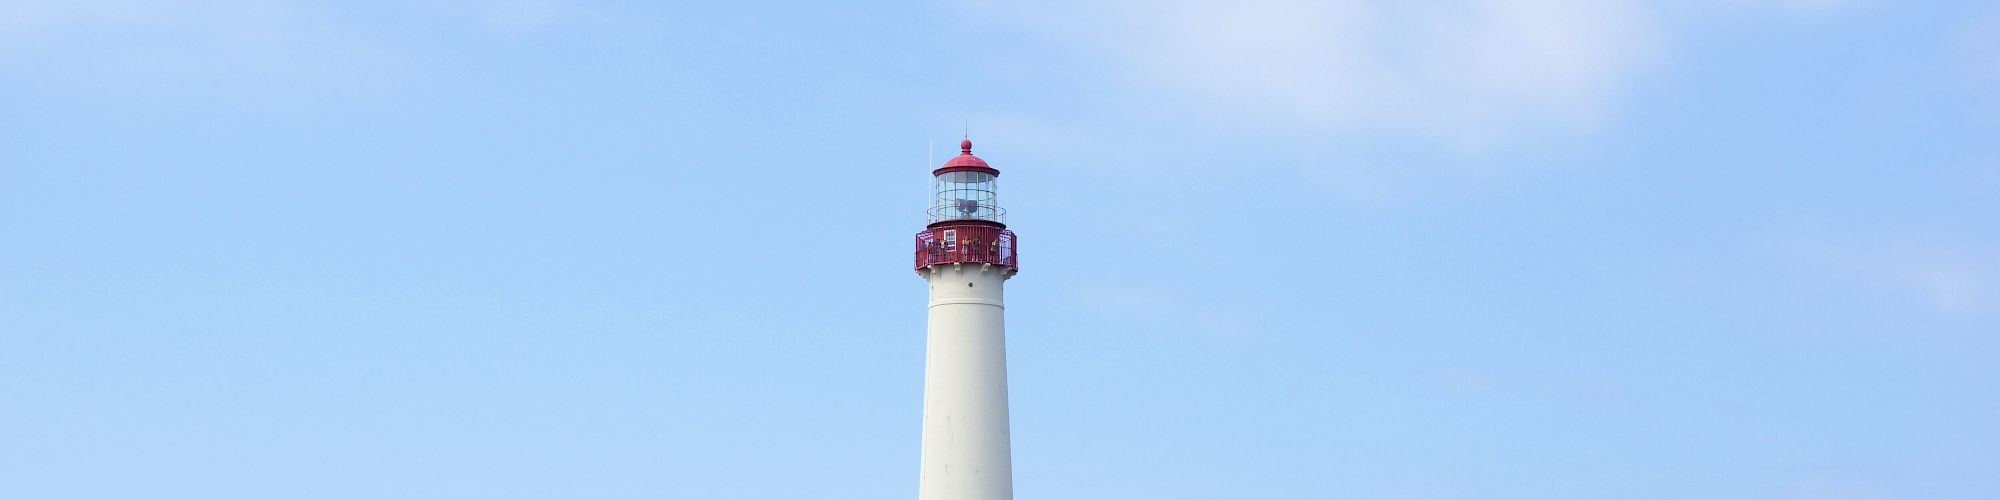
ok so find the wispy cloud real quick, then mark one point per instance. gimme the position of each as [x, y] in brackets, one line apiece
[1469, 72]
[245, 51]
[250, 51]
[1945, 275]
[531, 15]
[1225, 318]
[1466, 69]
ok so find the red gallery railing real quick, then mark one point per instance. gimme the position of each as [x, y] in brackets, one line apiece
[966, 244]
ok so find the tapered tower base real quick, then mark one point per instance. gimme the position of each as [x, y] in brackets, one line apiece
[966, 450]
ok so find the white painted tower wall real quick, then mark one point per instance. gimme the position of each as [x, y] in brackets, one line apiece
[966, 454]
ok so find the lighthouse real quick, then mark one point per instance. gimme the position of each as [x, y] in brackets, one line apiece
[966, 254]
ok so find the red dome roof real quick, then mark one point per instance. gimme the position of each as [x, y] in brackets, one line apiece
[965, 161]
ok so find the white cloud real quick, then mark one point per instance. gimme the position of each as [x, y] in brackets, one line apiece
[1468, 71]
[1949, 280]
[1945, 276]
[1222, 318]
[1814, 7]
[249, 51]
[1464, 69]
[530, 15]
[19, 20]
[239, 52]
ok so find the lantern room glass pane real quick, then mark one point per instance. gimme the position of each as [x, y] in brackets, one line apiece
[965, 195]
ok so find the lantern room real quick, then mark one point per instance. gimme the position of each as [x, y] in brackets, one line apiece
[964, 189]
[967, 225]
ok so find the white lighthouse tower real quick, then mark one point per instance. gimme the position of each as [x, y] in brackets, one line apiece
[966, 253]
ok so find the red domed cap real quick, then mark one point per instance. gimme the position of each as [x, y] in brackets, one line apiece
[965, 161]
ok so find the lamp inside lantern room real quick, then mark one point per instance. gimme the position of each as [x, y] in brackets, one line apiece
[964, 194]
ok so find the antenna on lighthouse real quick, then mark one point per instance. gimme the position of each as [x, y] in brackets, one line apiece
[930, 160]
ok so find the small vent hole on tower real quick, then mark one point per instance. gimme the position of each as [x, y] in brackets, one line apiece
[968, 285]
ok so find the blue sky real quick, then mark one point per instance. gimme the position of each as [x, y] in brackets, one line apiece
[543, 249]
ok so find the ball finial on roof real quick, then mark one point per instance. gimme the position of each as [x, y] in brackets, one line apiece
[965, 161]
